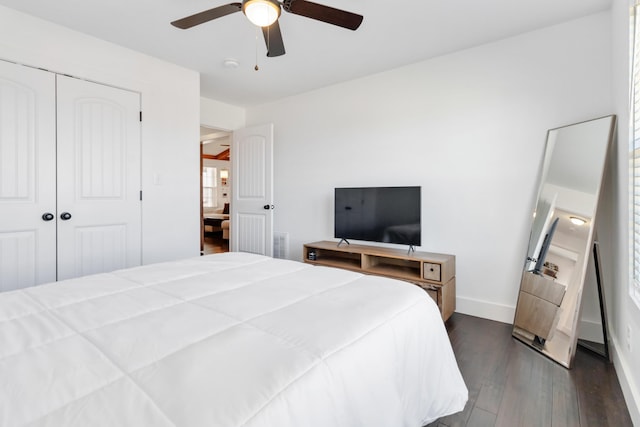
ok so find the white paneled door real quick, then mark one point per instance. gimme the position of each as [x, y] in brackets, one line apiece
[69, 177]
[27, 177]
[98, 178]
[252, 183]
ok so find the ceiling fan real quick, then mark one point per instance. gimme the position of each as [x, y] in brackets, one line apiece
[265, 14]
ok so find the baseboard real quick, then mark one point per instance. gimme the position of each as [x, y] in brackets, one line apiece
[590, 331]
[485, 309]
[629, 388]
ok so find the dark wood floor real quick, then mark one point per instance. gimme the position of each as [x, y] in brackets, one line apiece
[214, 243]
[511, 385]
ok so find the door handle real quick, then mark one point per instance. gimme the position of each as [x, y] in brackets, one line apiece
[65, 216]
[267, 207]
[47, 216]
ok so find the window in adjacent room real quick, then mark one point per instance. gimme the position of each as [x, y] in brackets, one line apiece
[209, 187]
[634, 158]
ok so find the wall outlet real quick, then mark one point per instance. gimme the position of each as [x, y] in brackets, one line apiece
[629, 338]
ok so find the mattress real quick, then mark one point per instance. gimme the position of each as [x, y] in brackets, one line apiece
[229, 339]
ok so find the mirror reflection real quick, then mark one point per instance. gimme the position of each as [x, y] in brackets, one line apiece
[549, 301]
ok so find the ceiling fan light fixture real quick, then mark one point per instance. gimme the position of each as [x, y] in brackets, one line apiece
[230, 63]
[577, 221]
[262, 13]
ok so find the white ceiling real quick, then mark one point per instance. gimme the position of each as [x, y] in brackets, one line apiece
[392, 34]
[214, 141]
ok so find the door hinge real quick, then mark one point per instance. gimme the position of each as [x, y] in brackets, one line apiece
[140, 195]
[140, 115]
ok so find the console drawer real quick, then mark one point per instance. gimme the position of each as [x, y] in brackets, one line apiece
[432, 272]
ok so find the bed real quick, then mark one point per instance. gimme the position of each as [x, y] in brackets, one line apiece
[229, 339]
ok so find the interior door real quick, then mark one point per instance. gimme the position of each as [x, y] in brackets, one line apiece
[27, 177]
[99, 212]
[252, 190]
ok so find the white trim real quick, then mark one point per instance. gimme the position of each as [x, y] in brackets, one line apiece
[485, 309]
[590, 330]
[630, 390]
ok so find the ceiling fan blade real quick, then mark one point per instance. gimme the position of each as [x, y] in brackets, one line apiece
[273, 39]
[323, 13]
[207, 15]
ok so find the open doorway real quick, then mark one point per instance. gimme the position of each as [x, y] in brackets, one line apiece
[215, 190]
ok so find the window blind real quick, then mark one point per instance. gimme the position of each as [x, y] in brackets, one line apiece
[634, 158]
[209, 184]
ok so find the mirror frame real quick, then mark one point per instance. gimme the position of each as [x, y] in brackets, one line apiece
[539, 299]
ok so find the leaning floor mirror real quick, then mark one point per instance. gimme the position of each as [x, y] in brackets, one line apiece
[562, 238]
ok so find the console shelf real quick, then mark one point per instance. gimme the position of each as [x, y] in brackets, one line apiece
[433, 272]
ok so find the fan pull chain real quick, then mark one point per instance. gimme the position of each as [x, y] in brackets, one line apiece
[257, 32]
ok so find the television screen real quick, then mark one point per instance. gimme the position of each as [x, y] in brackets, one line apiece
[544, 249]
[378, 214]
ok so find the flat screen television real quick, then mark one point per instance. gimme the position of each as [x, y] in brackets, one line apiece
[378, 214]
[544, 249]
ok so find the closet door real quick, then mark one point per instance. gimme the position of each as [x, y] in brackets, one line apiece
[99, 212]
[27, 177]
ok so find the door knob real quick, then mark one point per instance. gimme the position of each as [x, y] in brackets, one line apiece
[65, 216]
[48, 216]
[267, 207]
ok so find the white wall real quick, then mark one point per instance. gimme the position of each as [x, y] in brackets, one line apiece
[218, 115]
[170, 128]
[614, 240]
[469, 127]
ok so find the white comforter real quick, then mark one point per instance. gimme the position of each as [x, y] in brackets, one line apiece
[225, 340]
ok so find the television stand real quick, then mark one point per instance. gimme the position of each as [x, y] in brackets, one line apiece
[433, 272]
